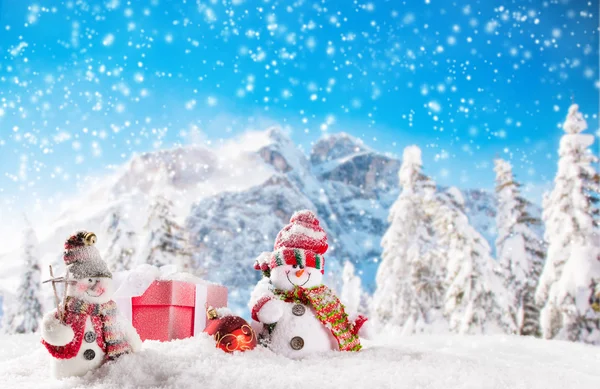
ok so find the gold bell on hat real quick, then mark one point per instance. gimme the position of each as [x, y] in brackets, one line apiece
[89, 239]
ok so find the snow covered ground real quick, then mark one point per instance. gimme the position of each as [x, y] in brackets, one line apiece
[445, 362]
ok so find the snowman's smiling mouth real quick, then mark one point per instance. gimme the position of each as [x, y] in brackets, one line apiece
[287, 274]
[96, 290]
[100, 293]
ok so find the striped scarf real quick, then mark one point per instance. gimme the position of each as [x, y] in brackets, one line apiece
[113, 338]
[330, 312]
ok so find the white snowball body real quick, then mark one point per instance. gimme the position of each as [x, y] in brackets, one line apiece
[297, 321]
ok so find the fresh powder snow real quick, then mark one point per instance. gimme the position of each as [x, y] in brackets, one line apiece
[390, 361]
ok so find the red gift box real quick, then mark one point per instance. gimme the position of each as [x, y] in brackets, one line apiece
[170, 310]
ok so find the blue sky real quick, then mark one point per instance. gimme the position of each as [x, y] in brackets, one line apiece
[84, 84]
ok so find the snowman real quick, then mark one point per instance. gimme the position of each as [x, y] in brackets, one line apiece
[85, 331]
[293, 311]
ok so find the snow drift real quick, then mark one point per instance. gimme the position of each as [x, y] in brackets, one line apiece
[444, 362]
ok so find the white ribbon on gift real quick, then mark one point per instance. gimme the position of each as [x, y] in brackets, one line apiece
[200, 319]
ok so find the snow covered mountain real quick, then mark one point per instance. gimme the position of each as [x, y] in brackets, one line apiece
[234, 198]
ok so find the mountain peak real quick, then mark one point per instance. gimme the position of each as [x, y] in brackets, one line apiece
[335, 146]
[277, 135]
[281, 152]
[180, 167]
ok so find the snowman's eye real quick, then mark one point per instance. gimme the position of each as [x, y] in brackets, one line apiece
[295, 266]
[90, 280]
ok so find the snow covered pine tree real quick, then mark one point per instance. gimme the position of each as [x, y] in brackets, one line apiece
[166, 241]
[409, 279]
[519, 250]
[121, 249]
[26, 311]
[351, 294]
[572, 234]
[475, 300]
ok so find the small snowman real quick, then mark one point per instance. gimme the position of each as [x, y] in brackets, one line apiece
[293, 311]
[85, 330]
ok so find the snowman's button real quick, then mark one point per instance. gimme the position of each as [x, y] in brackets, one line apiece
[298, 310]
[89, 354]
[297, 343]
[90, 336]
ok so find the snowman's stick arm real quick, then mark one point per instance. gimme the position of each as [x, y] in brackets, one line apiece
[56, 300]
[64, 301]
[59, 280]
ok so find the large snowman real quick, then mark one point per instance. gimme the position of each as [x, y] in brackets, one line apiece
[87, 331]
[292, 310]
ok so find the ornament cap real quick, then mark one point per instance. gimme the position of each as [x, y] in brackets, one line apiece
[211, 313]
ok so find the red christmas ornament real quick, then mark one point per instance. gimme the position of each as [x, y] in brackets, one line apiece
[232, 333]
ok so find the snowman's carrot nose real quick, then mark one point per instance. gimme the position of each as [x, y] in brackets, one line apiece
[299, 273]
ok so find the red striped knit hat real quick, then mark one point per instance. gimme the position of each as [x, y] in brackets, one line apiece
[302, 242]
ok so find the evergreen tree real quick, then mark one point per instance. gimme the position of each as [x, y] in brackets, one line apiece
[475, 302]
[409, 279]
[166, 241]
[572, 234]
[26, 311]
[121, 249]
[6, 314]
[351, 294]
[519, 250]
